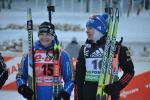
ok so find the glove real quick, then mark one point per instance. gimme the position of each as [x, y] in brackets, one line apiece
[111, 89]
[25, 91]
[3, 78]
[63, 95]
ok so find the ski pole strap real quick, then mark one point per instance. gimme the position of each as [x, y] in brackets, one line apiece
[56, 86]
[49, 56]
[57, 68]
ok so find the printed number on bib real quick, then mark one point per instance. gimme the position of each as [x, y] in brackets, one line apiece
[47, 69]
[93, 66]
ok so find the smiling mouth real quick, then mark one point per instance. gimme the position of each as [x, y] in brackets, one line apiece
[44, 40]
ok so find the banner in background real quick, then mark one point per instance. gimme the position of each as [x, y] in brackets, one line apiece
[12, 62]
[138, 88]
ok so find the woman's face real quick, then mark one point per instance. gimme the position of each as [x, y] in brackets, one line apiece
[90, 33]
[45, 39]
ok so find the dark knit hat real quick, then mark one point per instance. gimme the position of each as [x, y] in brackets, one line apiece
[47, 28]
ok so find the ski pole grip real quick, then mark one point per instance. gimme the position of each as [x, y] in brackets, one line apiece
[121, 40]
[50, 9]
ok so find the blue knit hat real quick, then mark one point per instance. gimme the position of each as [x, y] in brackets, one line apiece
[98, 22]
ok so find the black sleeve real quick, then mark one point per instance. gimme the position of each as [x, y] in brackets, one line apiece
[126, 64]
[3, 72]
[80, 74]
[3, 78]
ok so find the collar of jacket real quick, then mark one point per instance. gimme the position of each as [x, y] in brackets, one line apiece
[101, 41]
[38, 45]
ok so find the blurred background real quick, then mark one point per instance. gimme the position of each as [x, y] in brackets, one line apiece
[69, 18]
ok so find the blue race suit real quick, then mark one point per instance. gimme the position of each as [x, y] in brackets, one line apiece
[44, 80]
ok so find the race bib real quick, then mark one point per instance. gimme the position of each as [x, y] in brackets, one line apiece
[93, 69]
[44, 68]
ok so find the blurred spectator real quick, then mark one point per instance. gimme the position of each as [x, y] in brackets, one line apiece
[145, 52]
[131, 51]
[11, 45]
[73, 48]
[5, 3]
